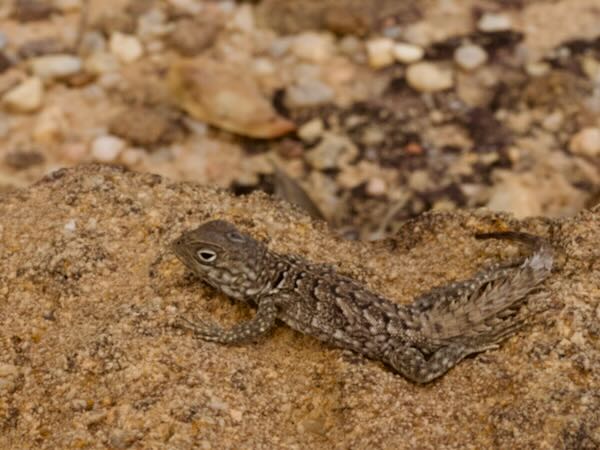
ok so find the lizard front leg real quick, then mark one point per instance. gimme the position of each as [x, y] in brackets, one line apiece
[260, 324]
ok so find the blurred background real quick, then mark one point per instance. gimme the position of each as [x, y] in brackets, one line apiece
[363, 113]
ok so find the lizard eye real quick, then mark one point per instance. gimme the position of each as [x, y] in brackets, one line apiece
[206, 255]
[234, 236]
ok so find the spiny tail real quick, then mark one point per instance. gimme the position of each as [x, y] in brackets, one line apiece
[483, 309]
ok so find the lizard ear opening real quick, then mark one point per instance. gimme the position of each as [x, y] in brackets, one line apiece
[206, 255]
[236, 237]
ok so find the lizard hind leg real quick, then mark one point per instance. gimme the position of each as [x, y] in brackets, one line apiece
[413, 364]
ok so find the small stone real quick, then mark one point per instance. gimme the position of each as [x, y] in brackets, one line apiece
[494, 22]
[55, 66]
[308, 93]
[243, 19]
[25, 97]
[313, 47]
[190, 37]
[591, 68]
[70, 226]
[380, 52]
[586, 142]
[333, 151]
[50, 125]
[311, 130]
[553, 122]
[132, 156]
[107, 148]
[407, 53]
[537, 69]
[190, 7]
[126, 47]
[101, 62]
[67, 5]
[470, 57]
[429, 77]
[376, 187]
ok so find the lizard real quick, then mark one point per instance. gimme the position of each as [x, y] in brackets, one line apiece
[421, 340]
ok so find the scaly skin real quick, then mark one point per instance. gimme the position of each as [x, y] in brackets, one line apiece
[421, 341]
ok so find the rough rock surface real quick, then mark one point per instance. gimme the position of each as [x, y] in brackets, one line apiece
[89, 357]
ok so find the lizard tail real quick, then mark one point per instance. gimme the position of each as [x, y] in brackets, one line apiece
[484, 307]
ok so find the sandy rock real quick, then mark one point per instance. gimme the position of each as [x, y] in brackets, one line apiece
[429, 77]
[26, 97]
[125, 47]
[227, 98]
[55, 66]
[586, 142]
[128, 376]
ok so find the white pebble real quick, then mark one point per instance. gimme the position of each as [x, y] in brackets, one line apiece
[429, 77]
[537, 69]
[25, 97]
[586, 142]
[470, 57]
[126, 47]
[107, 148]
[55, 66]
[313, 47]
[375, 187]
[407, 53]
[494, 22]
[380, 52]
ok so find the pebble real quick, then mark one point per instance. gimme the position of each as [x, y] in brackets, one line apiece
[243, 19]
[311, 130]
[67, 5]
[407, 53]
[313, 47]
[101, 62]
[190, 7]
[494, 22]
[586, 142]
[376, 187]
[125, 47]
[55, 66]
[470, 57]
[333, 151]
[537, 69]
[25, 97]
[107, 148]
[380, 52]
[429, 77]
[307, 93]
[50, 125]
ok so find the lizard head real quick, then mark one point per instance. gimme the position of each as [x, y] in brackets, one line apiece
[222, 256]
